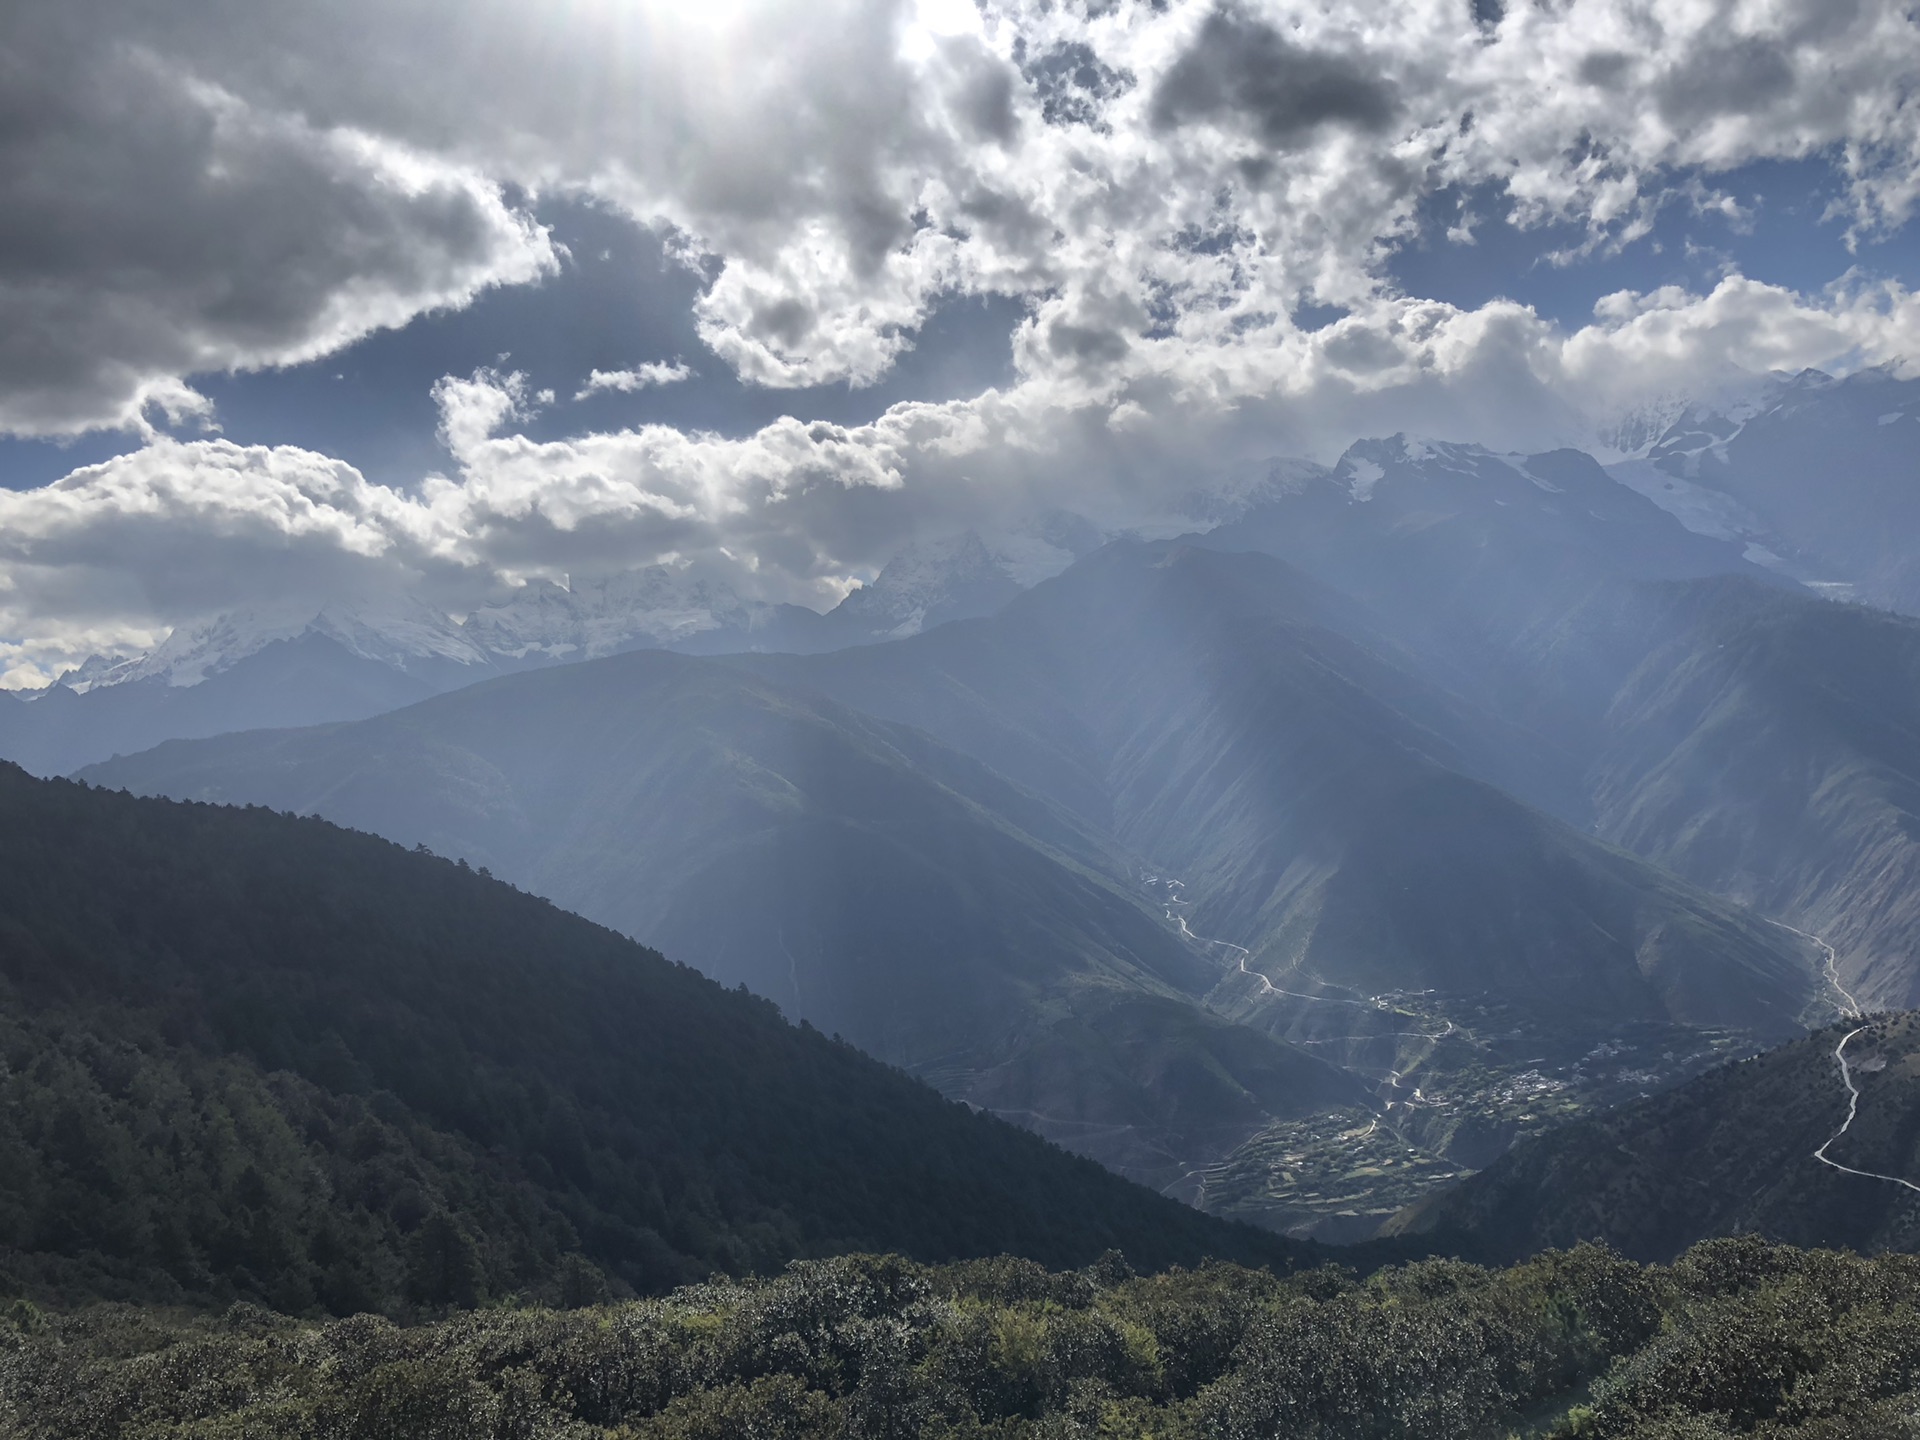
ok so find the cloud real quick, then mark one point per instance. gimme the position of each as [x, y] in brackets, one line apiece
[179, 530]
[229, 187]
[640, 377]
[156, 225]
[1159, 187]
[1072, 82]
[1243, 69]
[1748, 77]
[216, 187]
[113, 555]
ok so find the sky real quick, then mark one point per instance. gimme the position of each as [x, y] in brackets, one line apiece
[419, 295]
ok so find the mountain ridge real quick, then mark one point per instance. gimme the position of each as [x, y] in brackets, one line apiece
[251, 1055]
[873, 881]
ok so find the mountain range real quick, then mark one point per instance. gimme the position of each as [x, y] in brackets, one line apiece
[1365, 818]
[1232, 753]
[1325, 811]
[1817, 472]
[1706, 464]
[876, 883]
[306, 663]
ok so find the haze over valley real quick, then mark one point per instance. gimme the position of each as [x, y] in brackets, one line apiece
[1293, 867]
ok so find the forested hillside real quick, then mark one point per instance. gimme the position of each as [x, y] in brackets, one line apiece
[258, 1057]
[869, 879]
[1731, 1152]
[1737, 1339]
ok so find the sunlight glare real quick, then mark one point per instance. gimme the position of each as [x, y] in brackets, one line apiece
[933, 20]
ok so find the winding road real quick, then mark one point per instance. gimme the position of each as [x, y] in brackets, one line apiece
[1851, 1008]
[1853, 1108]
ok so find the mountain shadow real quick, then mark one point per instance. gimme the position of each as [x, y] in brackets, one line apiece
[1768, 748]
[259, 1057]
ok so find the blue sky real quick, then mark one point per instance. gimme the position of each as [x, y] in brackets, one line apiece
[1790, 239]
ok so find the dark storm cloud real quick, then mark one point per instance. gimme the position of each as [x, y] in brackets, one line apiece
[789, 321]
[155, 226]
[986, 100]
[1241, 68]
[1083, 343]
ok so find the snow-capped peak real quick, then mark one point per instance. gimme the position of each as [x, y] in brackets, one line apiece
[96, 671]
[1632, 435]
[958, 577]
[1366, 463]
[395, 630]
[600, 615]
[928, 582]
[1673, 428]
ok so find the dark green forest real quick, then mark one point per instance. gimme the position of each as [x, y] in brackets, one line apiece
[249, 1057]
[1738, 1338]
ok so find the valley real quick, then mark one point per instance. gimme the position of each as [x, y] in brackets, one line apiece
[1296, 870]
[1813, 1142]
[1449, 1094]
[960, 720]
[1003, 942]
[1448, 1109]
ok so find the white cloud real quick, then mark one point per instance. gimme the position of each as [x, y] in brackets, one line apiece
[179, 530]
[1129, 168]
[640, 377]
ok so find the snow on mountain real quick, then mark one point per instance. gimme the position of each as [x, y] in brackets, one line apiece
[960, 577]
[1675, 430]
[541, 623]
[1410, 459]
[1816, 473]
[1564, 495]
[933, 581]
[397, 631]
[546, 623]
[97, 670]
[1228, 497]
[601, 615]
[1702, 510]
[1632, 435]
